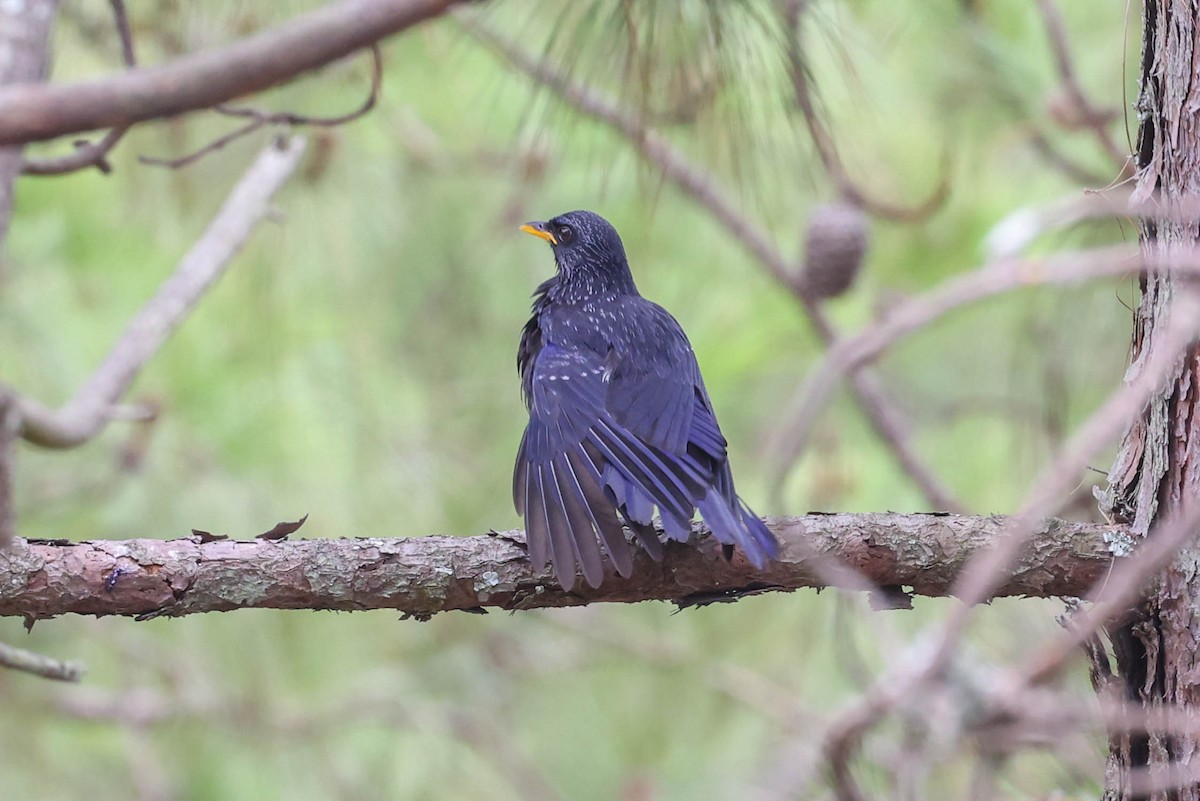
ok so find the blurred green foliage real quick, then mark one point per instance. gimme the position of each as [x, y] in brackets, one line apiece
[357, 364]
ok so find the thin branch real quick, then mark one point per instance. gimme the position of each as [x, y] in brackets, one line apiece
[1055, 481]
[843, 739]
[425, 575]
[1114, 595]
[86, 154]
[39, 665]
[888, 422]
[86, 414]
[201, 80]
[826, 147]
[988, 568]
[260, 118]
[292, 118]
[212, 147]
[91, 154]
[649, 144]
[1018, 229]
[121, 18]
[1090, 116]
[904, 319]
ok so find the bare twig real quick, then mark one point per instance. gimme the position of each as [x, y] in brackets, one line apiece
[1117, 714]
[86, 154]
[1018, 229]
[845, 736]
[894, 429]
[931, 660]
[91, 154]
[202, 80]
[648, 143]
[121, 18]
[39, 665]
[1055, 481]
[912, 315]
[1156, 781]
[260, 118]
[918, 312]
[1014, 96]
[1114, 595]
[292, 118]
[212, 147]
[887, 421]
[826, 147]
[1104, 425]
[86, 414]
[1090, 117]
[426, 575]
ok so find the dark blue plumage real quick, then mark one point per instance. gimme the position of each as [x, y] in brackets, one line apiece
[619, 421]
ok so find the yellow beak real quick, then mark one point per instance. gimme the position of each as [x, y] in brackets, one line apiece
[541, 233]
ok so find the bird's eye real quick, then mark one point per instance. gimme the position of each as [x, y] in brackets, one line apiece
[565, 234]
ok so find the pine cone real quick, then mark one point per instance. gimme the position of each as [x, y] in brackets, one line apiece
[834, 246]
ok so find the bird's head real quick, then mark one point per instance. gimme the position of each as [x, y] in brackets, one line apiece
[587, 250]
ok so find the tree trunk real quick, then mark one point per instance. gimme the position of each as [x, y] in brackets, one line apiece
[24, 56]
[1157, 646]
[24, 38]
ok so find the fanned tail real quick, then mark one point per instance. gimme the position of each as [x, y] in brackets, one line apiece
[738, 525]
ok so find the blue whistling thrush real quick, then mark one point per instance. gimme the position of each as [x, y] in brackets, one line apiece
[619, 420]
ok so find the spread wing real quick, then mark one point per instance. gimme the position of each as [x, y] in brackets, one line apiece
[610, 439]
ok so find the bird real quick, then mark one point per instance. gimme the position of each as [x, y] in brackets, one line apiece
[620, 423]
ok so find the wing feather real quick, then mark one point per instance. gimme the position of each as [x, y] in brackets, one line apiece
[581, 522]
[609, 440]
[562, 533]
[537, 528]
[603, 511]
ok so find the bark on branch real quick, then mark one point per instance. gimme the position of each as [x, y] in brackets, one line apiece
[30, 113]
[87, 413]
[422, 576]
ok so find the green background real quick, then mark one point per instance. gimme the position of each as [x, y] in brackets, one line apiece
[357, 364]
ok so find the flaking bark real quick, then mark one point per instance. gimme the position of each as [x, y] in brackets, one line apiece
[422, 576]
[1157, 471]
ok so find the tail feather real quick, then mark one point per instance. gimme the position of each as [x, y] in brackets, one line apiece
[638, 512]
[580, 522]
[602, 511]
[759, 531]
[562, 537]
[647, 535]
[537, 530]
[734, 527]
[676, 529]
